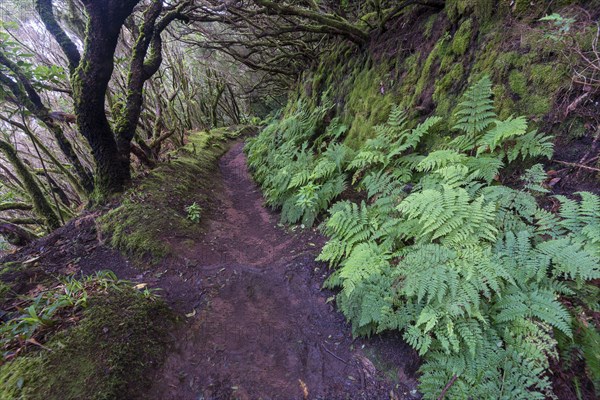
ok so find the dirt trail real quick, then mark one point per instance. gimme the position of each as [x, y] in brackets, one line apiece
[258, 325]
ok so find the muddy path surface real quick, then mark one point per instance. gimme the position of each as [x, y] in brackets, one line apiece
[258, 325]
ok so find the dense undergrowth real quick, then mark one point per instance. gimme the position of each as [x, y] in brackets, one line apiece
[474, 273]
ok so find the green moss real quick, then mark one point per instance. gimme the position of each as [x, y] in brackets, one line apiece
[106, 356]
[549, 77]
[442, 95]
[522, 63]
[538, 104]
[521, 6]
[152, 211]
[424, 77]
[503, 102]
[428, 28]
[368, 103]
[518, 83]
[4, 291]
[462, 38]
[482, 9]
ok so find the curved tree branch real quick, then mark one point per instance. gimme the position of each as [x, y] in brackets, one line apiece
[46, 12]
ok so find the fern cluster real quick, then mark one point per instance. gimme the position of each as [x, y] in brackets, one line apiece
[299, 176]
[469, 270]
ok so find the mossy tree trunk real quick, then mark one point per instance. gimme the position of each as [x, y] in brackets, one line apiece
[14, 234]
[330, 23]
[91, 73]
[41, 205]
[90, 81]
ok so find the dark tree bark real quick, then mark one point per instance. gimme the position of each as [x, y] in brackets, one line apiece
[15, 235]
[144, 63]
[90, 81]
[335, 22]
[15, 206]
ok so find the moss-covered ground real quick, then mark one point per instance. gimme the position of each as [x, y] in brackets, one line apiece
[104, 356]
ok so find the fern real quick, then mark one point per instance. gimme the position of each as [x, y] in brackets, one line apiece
[363, 261]
[410, 139]
[582, 220]
[439, 159]
[517, 304]
[532, 144]
[501, 133]
[534, 179]
[476, 111]
[470, 271]
[449, 215]
[348, 226]
[571, 260]
[391, 141]
[485, 167]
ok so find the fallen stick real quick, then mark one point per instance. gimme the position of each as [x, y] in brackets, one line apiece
[577, 165]
[447, 387]
[333, 354]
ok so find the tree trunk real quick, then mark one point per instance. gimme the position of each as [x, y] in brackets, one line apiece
[15, 235]
[90, 82]
[40, 204]
[27, 95]
[91, 74]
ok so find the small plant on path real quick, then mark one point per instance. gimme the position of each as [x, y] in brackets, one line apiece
[193, 212]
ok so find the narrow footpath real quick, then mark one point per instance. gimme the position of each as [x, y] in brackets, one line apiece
[258, 325]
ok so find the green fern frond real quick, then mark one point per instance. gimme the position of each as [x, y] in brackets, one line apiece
[476, 111]
[571, 260]
[382, 183]
[448, 215]
[502, 132]
[485, 167]
[350, 224]
[335, 129]
[397, 118]
[439, 159]
[534, 178]
[365, 259]
[517, 305]
[409, 140]
[532, 144]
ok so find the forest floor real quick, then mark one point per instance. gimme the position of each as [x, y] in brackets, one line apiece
[254, 321]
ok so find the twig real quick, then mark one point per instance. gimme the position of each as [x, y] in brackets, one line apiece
[333, 354]
[447, 387]
[578, 165]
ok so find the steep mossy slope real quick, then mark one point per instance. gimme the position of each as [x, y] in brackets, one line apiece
[428, 58]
